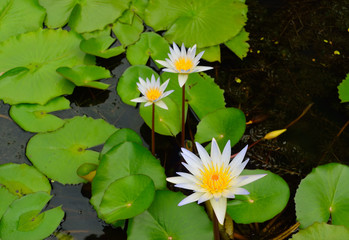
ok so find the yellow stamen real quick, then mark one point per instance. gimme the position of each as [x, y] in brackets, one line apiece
[215, 179]
[153, 94]
[183, 63]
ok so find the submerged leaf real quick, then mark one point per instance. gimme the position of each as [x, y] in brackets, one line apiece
[68, 148]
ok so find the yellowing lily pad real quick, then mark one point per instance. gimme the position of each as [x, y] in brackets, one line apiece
[24, 220]
[263, 202]
[126, 198]
[86, 75]
[166, 220]
[223, 125]
[324, 195]
[68, 148]
[38, 54]
[19, 16]
[22, 179]
[35, 117]
[205, 22]
[83, 16]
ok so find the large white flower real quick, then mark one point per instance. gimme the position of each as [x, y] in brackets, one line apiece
[214, 178]
[152, 92]
[183, 62]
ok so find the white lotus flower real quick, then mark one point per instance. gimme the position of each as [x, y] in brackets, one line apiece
[183, 62]
[152, 92]
[214, 177]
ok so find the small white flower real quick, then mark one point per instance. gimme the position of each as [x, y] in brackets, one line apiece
[152, 92]
[183, 62]
[214, 177]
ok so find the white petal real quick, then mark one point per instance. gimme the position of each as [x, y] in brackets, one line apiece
[197, 58]
[148, 104]
[176, 52]
[193, 170]
[182, 78]
[163, 63]
[169, 70]
[238, 169]
[241, 191]
[165, 94]
[191, 158]
[215, 152]
[191, 198]
[219, 207]
[140, 99]
[201, 68]
[189, 186]
[205, 197]
[228, 194]
[246, 179]
[226, 154]
[183, 51]
[189, 177]
[164, 85]
[205, 158]
[238, 158]
[177, 180]
[161, 104]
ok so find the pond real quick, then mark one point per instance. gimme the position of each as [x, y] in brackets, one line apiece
[298, 56]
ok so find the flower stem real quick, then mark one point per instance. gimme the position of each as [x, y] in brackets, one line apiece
[153, 131]
[215, 227]
[183, 115]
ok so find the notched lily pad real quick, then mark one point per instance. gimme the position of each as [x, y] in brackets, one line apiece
[23, 219]
[36, 118]
[223, 125]
[324, 195]
[126, 198]
[86, 76]
[101, 47]
[128, 32]
[238, 44]
[22, 179]
[263, 202]
[68, 148]
[38, 66]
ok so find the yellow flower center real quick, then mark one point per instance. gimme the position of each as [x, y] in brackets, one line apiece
[214, 179]
[183, 63]
[153, 94]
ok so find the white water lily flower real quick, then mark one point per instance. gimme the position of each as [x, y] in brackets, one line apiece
[213, 178]
[183, 62]
[152, 92]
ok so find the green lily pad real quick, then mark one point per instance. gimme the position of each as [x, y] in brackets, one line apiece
[127, 85]
[24, 219]
[212, 53]
[238, 44]
[139, 6]
[263, 202]
[6, 199]
[149, 45]
[322, 231]
[35, 117]
[100, 47]
[40, 63]
[205, 23]
[86, 75]
[166, 220]
[68, 148]
[324, 194]
[128, 33]
[127, 197]
[125, 159]
[19, 16]
[22, 179]
[223, 125]
[83, 16]
[120, 136]
[343, 90]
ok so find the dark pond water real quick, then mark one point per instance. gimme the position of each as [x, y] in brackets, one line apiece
[289, 67]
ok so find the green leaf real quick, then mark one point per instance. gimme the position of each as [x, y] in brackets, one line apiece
[6, 199]
[205, 23]
[149, 45]
[39, 54]
[19, 16]
[120, 136]
[128, 33]
[127, 197]
[343, 90]
[322, 231]
[68, 148]
[100, 47]
[324, 194]
[84, 16]
[166, 220]
[127, 85]
[212, 53]
[86, 75]
[22, 179]
[238, 44]
[21, 221]
[223, 125]
[263, 202]
[35, 117]
[123, 160]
